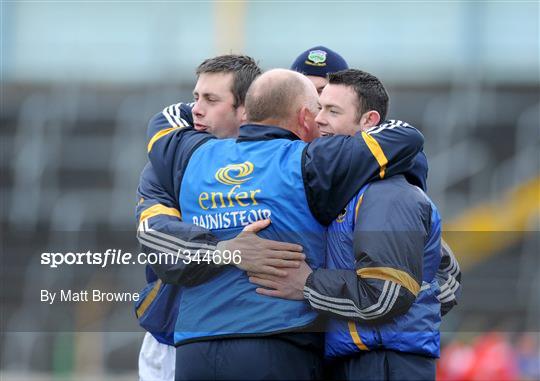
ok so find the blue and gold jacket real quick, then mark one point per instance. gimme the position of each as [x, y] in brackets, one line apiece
[380, 284]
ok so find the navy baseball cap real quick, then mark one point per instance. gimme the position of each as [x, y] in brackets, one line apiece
[319, 61]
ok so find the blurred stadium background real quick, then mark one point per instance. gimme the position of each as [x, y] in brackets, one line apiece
[80, 80]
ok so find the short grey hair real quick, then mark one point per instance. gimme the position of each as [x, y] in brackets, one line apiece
[277, 96]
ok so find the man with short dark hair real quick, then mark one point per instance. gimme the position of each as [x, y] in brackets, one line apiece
[381, 281]
[243, 68]
[222, 84]
[356, 98]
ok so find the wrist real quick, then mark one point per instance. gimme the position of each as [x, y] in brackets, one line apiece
[217, 255]
[308, 284]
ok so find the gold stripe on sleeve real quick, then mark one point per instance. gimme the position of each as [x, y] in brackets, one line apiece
[159, 135]
[376, 151]
[158, 209]
[393, 275]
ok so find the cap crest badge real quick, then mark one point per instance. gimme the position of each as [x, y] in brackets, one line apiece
[317, 57]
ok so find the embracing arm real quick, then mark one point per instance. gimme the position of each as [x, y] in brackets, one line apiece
[335, 168]
[161, 230]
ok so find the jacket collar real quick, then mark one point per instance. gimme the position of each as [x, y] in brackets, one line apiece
[253, 132]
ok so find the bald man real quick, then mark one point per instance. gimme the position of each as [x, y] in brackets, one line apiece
[267, 172]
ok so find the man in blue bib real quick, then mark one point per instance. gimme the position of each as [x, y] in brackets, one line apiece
[381, 284]
[222, 83]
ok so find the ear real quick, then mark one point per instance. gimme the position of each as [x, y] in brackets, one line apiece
[301, 122]
[307, 128]
[241, 114]
[369, 119]
[304, 114]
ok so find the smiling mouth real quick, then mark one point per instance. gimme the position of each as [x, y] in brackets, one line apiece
[325, 133]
